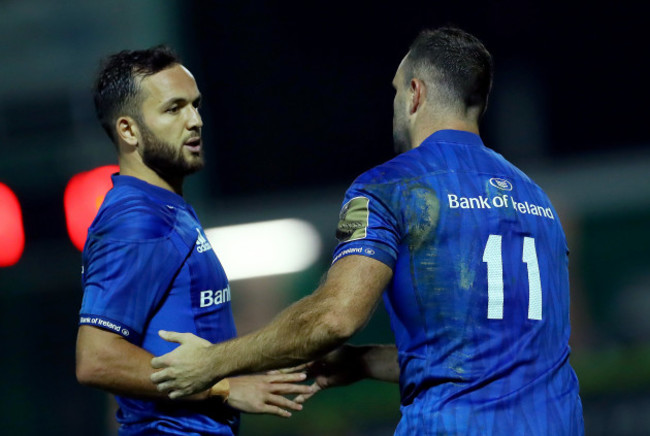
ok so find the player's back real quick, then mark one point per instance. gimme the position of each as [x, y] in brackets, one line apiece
[480, 298]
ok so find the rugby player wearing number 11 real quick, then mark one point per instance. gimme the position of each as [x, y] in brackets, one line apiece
[471, 260]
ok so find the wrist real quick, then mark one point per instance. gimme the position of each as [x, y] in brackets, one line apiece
[363, 361]
[221, 390]
[380, 362]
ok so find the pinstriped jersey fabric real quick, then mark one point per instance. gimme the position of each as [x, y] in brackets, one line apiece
[148, 266]
[479, 302]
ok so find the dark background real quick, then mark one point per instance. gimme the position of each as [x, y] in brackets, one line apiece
[298, 102]
[311, 84]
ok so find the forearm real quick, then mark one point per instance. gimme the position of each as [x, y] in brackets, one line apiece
[302, 332]
[306, 330]
[312, 326]
[124, 373]
[379, 362]
[108, 362]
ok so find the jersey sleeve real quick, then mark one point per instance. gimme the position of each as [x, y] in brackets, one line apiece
[125, 281]
[367, 226]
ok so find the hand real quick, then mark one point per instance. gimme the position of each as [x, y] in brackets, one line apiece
[264, 393]
[187, 369]
[340, 367]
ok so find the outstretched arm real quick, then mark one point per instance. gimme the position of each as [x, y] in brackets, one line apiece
[349, 364]
[307, 329]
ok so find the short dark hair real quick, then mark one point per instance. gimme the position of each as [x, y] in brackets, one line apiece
[117, 88]
[456, 61]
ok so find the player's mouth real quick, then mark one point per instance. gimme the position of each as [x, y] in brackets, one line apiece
[193, 144]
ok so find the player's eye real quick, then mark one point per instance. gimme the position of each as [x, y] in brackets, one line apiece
[173, 109]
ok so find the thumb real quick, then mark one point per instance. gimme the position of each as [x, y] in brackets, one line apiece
[171, 336]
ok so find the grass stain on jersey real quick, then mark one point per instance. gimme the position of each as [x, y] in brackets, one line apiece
[466, 276]
[421, 213]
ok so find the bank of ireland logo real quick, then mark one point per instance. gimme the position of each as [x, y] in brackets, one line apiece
[501, 184]
[202, 243]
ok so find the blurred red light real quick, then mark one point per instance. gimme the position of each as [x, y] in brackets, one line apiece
[12, 234]
[83, 195]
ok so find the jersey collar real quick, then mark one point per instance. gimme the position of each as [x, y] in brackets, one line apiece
[154, 191]
[456, 136]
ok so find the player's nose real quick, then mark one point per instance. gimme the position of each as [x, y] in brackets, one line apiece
[195, 120]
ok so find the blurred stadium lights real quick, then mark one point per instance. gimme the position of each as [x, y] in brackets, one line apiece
[245, 250]
[83, 195]
[265, 248]
[12, 234]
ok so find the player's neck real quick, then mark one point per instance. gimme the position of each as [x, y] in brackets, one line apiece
[427, 129]
[140, 171]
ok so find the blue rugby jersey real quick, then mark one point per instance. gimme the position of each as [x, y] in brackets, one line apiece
[479, 301]
[147, 265]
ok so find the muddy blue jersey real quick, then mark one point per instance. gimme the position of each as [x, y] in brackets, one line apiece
[479, 300]
[147, 266]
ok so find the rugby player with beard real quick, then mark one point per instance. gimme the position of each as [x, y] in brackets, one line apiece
[147, 264]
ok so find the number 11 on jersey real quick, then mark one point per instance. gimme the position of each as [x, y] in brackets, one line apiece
[493, 257]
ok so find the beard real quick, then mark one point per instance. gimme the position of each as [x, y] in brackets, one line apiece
[165, 159]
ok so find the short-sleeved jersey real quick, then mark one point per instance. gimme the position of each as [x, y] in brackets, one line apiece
[147, 266]
[479, 301]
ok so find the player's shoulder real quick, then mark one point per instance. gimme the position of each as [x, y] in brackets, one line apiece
[395, 170]
[513, 172]
[133, 215]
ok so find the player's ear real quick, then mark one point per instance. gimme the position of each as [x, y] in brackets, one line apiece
[417, 91]
[127, 130]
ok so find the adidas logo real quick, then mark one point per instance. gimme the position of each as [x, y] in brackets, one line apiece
[202, 244]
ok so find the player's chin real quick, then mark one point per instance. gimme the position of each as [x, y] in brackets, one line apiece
[194, 164]
[191, 155]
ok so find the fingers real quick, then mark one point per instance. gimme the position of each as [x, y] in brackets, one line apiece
[285, 384]
[303, 397]
[287, 378]
[172, 336]
[172, 389]
[293, 369]
[275, 410]
[174, 392]
[159, 376]
[289, 388]
[283, 402]
[165, 382]
[180, 393]
[278, 405]
[165, 386]
[157, 363]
